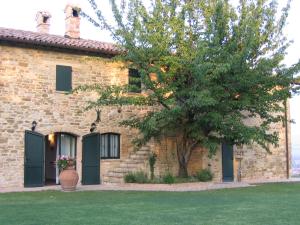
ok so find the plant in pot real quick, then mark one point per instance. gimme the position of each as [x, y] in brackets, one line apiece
[68, 176]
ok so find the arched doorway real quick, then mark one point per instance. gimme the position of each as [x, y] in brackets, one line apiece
[57, 144]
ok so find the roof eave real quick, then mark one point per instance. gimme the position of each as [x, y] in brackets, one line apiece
[34, 43]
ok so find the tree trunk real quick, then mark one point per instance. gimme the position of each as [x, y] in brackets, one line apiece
[184, 150]
[183, 170]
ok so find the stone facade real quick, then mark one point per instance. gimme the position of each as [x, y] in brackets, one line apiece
[27, 93]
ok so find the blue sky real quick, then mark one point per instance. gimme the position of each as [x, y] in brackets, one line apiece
[20, 14]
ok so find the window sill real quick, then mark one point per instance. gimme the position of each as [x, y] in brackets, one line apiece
[108, 160]
[63, 92]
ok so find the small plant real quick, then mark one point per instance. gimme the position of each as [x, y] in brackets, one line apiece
[204, 175]
[129, 178]
[65, 161]
[141, 177]
[136, 177]
[168, 178]
[152, 161]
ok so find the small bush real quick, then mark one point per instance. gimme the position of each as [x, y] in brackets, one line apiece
[156, 180]
[141, 177]
[168, 179]
[204, 175]
[152, 161]
[136, 177]
[129, 178]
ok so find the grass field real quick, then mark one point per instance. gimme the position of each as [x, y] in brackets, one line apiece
[266, 204]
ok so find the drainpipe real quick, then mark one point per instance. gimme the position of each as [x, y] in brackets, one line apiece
[286, 141]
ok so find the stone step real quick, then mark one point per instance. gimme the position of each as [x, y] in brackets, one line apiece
[144, 154]
[114, 174]
[121, 170]
[113, 180]
[137, 160]
[138, 156]
[145, 147]
[130, 164]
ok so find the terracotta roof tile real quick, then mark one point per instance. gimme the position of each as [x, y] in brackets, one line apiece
[50, 40]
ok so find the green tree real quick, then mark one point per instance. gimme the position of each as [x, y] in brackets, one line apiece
[215, 66]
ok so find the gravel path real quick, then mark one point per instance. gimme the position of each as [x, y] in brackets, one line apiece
[195, 186]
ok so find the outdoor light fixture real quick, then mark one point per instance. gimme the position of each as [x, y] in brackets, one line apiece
[51, 139]
[34, 123]
[93, 127]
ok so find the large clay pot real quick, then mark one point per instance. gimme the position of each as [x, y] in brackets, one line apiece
[68, 179]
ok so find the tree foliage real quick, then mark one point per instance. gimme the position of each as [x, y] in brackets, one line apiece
[215, 65]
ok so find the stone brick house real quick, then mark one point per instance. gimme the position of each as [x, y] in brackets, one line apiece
[38, 121]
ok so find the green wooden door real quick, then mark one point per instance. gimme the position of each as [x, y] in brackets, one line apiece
[91, 159]
[34, 159]
[227, 162]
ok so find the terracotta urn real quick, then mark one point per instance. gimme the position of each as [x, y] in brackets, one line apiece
[68, 179]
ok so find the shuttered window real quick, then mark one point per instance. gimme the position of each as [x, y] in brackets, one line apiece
[110, 146]
[63, 78]
[134, 81]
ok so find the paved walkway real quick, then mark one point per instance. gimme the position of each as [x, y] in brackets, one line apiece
[196, 186]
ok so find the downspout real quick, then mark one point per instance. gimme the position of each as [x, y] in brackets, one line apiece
[287, 155]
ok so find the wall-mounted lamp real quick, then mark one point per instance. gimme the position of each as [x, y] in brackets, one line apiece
[93, 127]
[51, 139]
[34, 123]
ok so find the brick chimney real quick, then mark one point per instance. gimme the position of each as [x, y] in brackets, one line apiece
[43, 22]
[72, 21]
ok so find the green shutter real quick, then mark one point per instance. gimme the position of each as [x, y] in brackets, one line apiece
[63, 78]
[34, 159]
[91, 159]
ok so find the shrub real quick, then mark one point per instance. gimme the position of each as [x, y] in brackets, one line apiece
[152, 161]
[168, 178]
[204, 175]
[141, 177]
[129, 178]
[136, 177]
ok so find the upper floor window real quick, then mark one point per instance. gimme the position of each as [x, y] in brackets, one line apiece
[63, 78]
[134, 81]
[110, 146]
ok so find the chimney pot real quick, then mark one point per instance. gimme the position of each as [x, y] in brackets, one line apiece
[72, 21]
[43, 22]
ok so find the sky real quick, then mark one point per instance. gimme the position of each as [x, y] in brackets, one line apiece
[20, 14]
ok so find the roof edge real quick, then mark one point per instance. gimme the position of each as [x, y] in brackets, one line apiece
[50, 41]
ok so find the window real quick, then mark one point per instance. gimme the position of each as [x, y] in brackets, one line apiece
[63, 78]
[66, 144]
[134, 81]
[110, 146]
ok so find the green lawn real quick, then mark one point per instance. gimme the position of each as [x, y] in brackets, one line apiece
[266, 204]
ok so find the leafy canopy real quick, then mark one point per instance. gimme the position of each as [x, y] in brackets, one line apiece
[206, 66]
